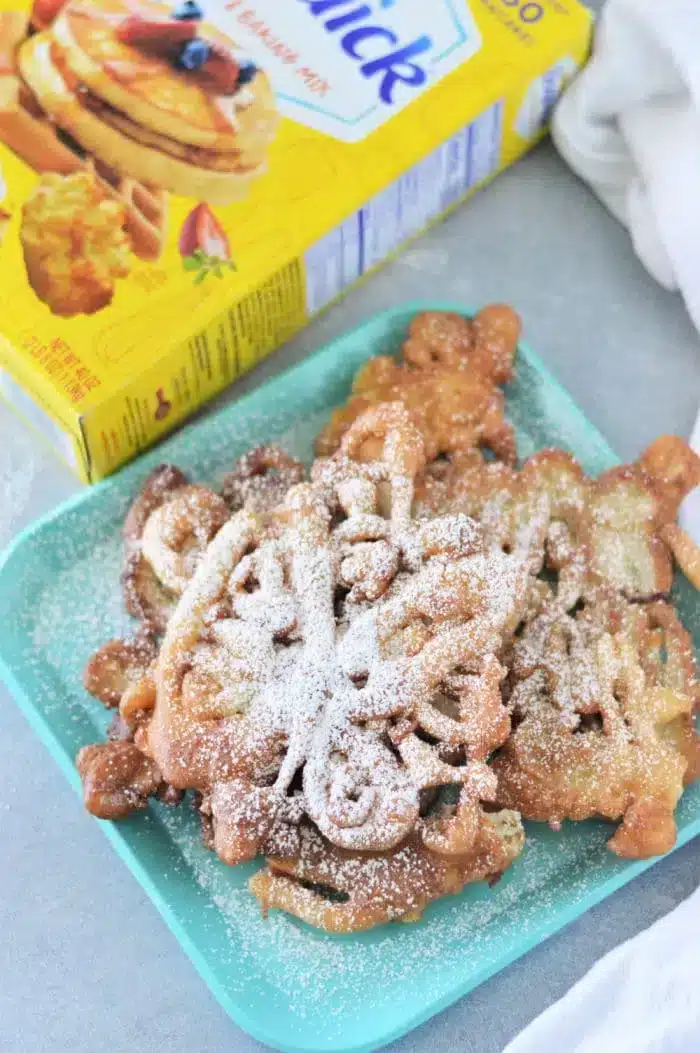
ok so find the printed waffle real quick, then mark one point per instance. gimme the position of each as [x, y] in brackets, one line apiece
[369, 674]
[28, 132]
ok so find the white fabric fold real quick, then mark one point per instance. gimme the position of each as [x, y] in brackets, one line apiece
[640, 998]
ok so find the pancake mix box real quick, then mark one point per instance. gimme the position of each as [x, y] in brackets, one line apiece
[183, 187]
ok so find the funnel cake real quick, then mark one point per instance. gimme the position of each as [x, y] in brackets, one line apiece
[448, 380]
[260, 479]
[618, 529]
[367, 676]
[171, 522]
[168, 527]
[603, 725]
[344, 892]
[283, 692]
[602, 703]
[329, 682]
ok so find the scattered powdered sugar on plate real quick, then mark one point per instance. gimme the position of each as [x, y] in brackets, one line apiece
[74, 613]
[300, 437]
[467, 930]
[81, 605]
[71, 603]
[89, 591]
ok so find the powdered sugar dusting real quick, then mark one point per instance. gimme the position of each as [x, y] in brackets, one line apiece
[366, 974]
[313, 981]
[321, 681]
[81, 605]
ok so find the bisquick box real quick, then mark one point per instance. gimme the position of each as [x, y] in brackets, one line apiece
[183, 188]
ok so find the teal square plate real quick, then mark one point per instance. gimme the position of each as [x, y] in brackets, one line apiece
[286, 984]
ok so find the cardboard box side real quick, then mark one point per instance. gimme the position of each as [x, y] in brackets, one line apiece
[327, 215]
[200, 367]
[196, 369]
[32, 396]
[313, 182]
[63, 437]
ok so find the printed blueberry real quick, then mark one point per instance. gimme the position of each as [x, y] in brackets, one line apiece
[188, 11]
[246, 71]
[193, 54]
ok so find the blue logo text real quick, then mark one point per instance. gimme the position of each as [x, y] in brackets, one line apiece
[376, 47]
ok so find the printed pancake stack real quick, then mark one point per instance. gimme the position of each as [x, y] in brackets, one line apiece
[115, 107]
[152, 91]
[368, 673]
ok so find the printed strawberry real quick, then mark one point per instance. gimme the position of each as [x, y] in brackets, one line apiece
[222, 70]
[202, 230]
[162, 35]
[204, 246]
[44, 12]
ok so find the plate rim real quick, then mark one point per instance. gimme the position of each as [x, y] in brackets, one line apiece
[555, 922]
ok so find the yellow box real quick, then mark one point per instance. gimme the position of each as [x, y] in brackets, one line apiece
[182, 188]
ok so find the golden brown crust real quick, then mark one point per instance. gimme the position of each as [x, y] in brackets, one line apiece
[166, 532]
[260, 479]
[344, 892]
[602, 706]
[615, 528]
[673, 469]
[162, 481]
[684, 550]
[497, 330]
[484, 345]
[454, 411]
[117, 666]
[117, 779]
[448, 380]
[233, 707]
[339, 668]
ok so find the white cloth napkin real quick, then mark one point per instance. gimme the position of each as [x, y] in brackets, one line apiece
[640, 998]
[629, 126]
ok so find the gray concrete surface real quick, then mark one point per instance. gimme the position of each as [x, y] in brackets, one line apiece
[87, 965]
